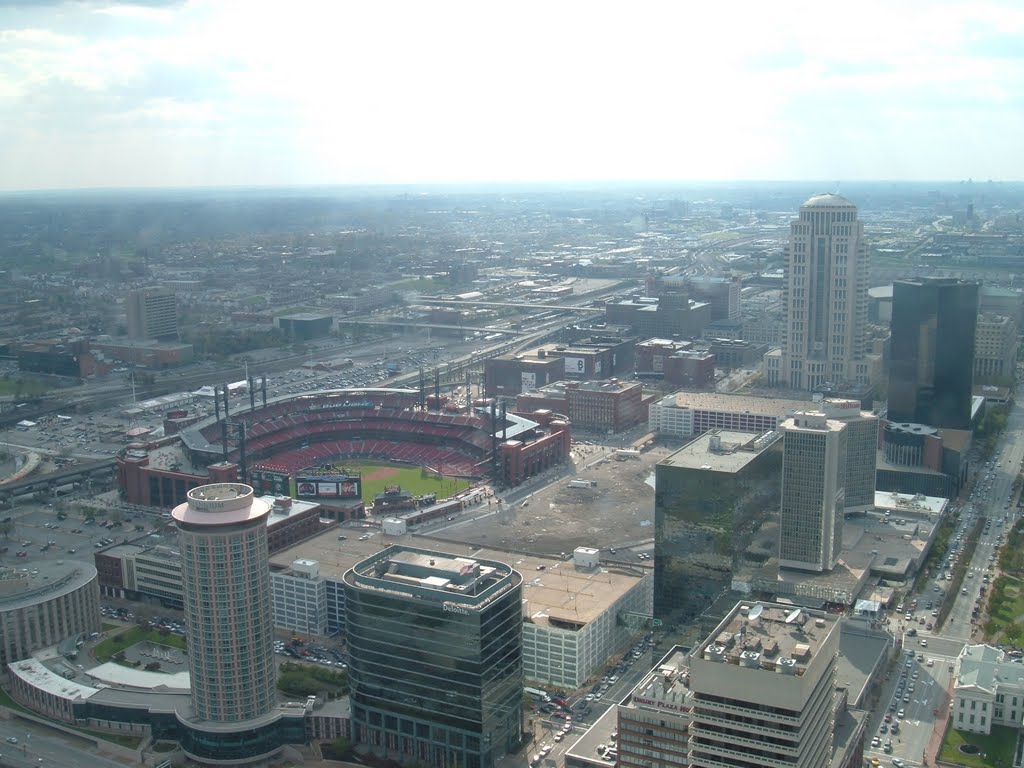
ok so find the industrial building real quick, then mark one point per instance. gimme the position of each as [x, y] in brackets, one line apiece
[305, 326]
[667, 315]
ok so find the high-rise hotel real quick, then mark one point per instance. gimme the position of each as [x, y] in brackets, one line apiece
[229, 616]
[827, 265]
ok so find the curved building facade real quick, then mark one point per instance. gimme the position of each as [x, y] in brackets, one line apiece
[228, 606]
[56, 601]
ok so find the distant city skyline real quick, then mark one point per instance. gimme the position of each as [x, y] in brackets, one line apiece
[195, 93]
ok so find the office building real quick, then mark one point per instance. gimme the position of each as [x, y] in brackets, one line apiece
[435, 657]
[931, 358]
[763, 688]
[54, 603]
[152, 314]
[995, 350]
[813, 495]
[654, 720]
[300, 598]
[916, 458]
[684, 414]
[712, 498]
[222, 532]
[861, 451]
[826, 301]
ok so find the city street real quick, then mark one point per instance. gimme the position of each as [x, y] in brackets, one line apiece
[40, 746]
[926, 705]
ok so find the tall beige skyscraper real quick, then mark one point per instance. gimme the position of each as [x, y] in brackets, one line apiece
[861, 452]
[813, 492]
[228, 610]
[826, 301]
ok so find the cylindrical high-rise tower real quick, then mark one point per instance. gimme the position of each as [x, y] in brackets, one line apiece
[228, 606]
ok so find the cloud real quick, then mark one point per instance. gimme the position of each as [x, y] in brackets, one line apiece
[235, 92]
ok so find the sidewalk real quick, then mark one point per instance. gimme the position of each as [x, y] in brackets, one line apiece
[931, 755]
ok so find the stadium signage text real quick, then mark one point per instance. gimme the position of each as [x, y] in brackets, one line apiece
[339, 406]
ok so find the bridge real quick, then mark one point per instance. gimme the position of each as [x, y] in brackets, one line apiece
[46, 482]
[510, 305]
[433, 326]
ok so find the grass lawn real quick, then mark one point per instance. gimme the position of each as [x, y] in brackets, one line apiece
[996, 748]
[23, 387]
[413, 479]
[1005, 607]
[130, 637]
[106, 626]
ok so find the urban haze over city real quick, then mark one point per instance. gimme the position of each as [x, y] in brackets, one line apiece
[475, 386]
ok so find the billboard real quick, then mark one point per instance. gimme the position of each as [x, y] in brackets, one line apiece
[529, 381]
[269, 481]
[328, 487]
[575, 365]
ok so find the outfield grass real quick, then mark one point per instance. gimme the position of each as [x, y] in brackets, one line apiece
[413, 479]
[996, 749]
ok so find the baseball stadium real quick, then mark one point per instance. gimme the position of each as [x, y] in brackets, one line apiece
[306, 445]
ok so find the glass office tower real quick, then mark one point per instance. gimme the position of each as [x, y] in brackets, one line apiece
[716, 507]
[931, 354]
[435, 647]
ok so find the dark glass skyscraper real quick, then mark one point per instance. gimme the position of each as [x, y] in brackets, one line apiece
[435, 646]
[932, 352]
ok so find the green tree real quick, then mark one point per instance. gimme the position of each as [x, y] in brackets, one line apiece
[339, 749]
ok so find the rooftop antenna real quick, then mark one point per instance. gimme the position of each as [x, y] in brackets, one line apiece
[755, 612]
[793, 617]
[837, 187]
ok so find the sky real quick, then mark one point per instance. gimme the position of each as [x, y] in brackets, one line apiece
[191, 93]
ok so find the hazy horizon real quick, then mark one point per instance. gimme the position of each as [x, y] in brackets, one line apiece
[196, 94]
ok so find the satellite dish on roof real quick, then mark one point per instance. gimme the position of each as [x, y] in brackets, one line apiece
[755, 612]
[793, 616]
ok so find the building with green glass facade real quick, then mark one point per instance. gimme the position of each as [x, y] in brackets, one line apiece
[435, 657]
[716, 507]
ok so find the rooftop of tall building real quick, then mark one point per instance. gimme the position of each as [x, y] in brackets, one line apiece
[828, 200]
[760, 635]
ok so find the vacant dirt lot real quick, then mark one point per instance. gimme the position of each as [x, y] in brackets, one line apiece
[550, 517]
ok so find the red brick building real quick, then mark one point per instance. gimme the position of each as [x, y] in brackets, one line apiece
[519, 460]
[600, 405]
